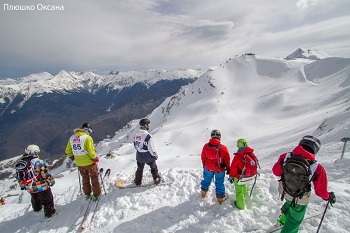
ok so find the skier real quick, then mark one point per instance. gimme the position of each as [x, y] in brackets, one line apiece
[215, 159]
[145, 153]
[293, 210]
[80, 148]
[243, 161]
[33, 175]
[2, 201]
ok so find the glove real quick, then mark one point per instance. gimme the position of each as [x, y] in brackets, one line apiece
[231, 180]
[155, 156]
[52, 183]
[71, 158]
[228, 171]
[331, 198]
[96, 160]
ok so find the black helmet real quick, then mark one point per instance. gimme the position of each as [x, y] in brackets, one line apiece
[144, 123]
[215, 134]
[310, 144]
[87, 127]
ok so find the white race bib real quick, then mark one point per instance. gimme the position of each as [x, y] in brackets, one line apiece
[77, 144]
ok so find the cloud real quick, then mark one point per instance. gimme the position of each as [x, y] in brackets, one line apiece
[121, 35]
[206, 31]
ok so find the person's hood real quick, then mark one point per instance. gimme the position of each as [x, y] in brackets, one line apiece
[214, 141]
[80, 132]
[245, 150]
[299, 150]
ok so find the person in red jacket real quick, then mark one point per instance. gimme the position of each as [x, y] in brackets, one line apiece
[216, 160]
[237, 171]
[293, 214]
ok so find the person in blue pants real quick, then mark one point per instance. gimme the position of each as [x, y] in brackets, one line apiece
[216, 160]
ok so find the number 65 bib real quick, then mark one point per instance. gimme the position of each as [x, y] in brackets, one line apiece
[77, 144]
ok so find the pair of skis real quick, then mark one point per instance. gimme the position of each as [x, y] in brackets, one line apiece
[93, 205]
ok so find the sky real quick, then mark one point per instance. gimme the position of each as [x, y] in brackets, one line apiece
[287, 99]
[105, 35]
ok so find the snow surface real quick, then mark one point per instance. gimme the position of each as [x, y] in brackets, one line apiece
[271, 102]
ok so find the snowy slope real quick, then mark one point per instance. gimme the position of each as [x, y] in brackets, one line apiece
[271, 102]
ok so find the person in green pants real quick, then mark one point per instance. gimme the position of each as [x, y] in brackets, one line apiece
[243, 168]
[293, 210]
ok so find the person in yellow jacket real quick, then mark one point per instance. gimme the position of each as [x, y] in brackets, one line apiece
[80, 148]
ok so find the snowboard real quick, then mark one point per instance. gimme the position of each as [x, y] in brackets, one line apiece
[124, 184]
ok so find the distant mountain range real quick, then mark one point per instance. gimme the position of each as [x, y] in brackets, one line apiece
[44, 109]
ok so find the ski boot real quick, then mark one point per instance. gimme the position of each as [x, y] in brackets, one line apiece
[204, 193]
[157, 181]
[95, 198]
[221, 198]
[282, 220]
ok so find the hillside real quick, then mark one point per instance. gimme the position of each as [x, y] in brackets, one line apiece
[271, 102]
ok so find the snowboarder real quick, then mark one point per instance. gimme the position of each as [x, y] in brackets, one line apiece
[145, 153]
[80, 148]
[293, 210]
[33, 175]
[243, 168]
[216, 160]
[2, 201]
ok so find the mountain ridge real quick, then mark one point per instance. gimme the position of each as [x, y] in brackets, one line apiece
[66, 81]
[44, 109]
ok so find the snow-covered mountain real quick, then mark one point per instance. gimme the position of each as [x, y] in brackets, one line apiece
[32, 107]
[271, 102]
[66, 81]
[304, 53]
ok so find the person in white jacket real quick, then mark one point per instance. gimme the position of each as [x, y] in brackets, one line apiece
[145, 153]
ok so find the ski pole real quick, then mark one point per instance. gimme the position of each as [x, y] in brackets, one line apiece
[103, 185]
[79, 182]
[324, 212]
[253, 185]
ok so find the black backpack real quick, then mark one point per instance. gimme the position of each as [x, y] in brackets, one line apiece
[296, 176]
[25, 171]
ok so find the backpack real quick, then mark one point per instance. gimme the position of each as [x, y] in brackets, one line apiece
[296, 176]
[213, 158]
[251, 164]
[25, 171]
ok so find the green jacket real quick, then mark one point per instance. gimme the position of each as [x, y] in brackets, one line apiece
[84, 151]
